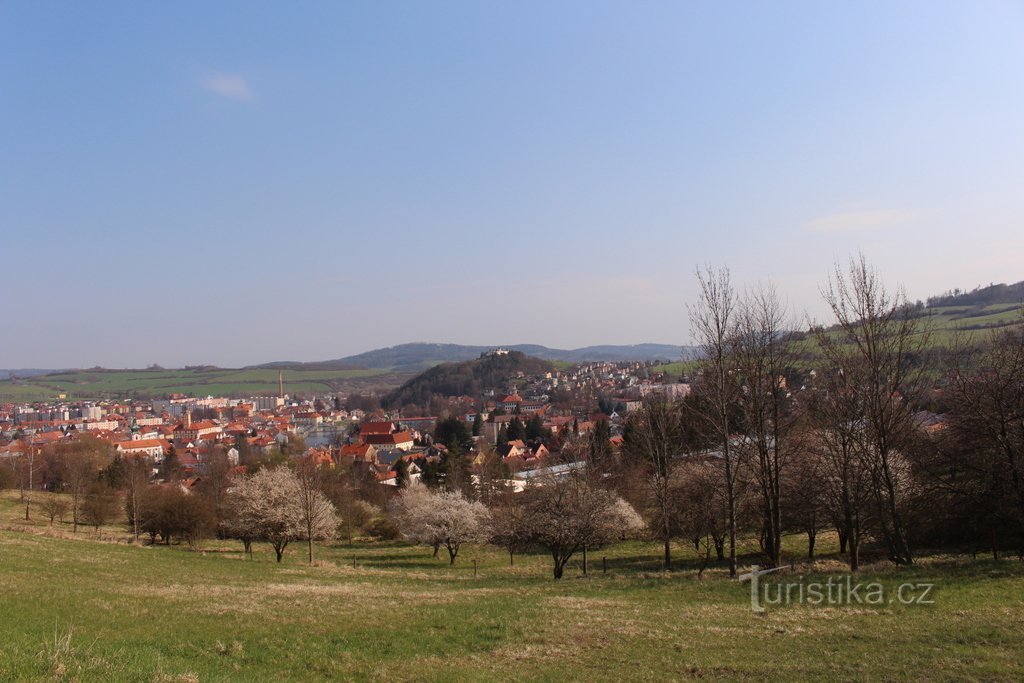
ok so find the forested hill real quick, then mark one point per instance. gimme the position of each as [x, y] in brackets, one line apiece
[470, 378]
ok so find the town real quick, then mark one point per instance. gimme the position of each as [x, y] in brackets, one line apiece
[177, 437]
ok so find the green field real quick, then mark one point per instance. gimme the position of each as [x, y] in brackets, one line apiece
[193, 382]
[79, 609]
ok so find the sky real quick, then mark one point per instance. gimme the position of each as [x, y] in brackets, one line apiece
[242, 182]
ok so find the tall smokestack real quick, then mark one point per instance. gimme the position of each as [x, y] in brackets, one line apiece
[280, 384]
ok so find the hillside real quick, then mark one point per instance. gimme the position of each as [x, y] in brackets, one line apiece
[425, 354]
[468, 378]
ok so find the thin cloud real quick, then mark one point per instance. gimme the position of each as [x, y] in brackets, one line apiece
[231, 86]
[860, 220]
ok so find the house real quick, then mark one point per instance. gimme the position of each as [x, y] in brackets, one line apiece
[375, 428]
[510, 403]
[358, 451]
[152, 448]
[402, 441]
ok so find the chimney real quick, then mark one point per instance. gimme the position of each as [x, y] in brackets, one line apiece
[280, 384]
[188, 419]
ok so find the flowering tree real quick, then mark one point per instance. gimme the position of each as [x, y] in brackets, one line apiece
[571, 514]
[268, 507]
[441, 518]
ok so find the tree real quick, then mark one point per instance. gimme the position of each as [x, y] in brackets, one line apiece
[509, 524]
[437, 518]
[535, 429]
[168, 511]
[703, 511]
[136, 478]
[762, 364]
[836, 446]
[401, 468]
[984, 467]
[54, 506]
[79, 464]
[515, 430]
[170, 468]
[599, 449]
[654, 438]
[99, 505]
[452, 432]
[802, 493]
[712, 320]
[478, 423]
[318, 516]
[879, 346]
[214, 482]
[26, 468]
[267, 506]
[571, 514]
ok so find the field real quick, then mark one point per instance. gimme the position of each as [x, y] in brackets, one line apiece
[78, 608]
[194, 382]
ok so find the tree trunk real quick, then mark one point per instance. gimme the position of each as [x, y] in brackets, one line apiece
[668, 554]
[812, 535]
[584, 560]
[309, 542]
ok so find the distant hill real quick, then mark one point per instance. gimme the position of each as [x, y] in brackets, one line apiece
[24, 372]
[469, 378]
[425, 354]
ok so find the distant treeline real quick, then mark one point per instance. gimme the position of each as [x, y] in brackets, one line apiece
[981, 296]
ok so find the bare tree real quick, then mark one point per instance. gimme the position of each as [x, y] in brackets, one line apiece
[654, 436]
[100, 505]
[54, 506]
[713, 325]
[319, 517]
[836, 450]
[763, 364]
[509, 524]
[26, 468]
[802, 492]
[79, 464]
[136, 479]
[879, 346]
[986, 393]
[704, 511]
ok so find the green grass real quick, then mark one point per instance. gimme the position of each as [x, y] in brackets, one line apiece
[218, 382]
[85, 610]
[676, 369]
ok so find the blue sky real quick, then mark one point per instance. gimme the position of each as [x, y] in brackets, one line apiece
[235, 183]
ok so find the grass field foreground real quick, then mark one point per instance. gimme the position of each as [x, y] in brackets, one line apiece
[81, 609]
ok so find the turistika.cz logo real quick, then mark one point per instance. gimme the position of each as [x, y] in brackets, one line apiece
[835, 591]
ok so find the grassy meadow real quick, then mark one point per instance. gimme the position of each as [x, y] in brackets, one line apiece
[86, 607]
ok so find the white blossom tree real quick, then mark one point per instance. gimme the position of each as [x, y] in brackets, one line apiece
[437, 518]
[268, 507]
